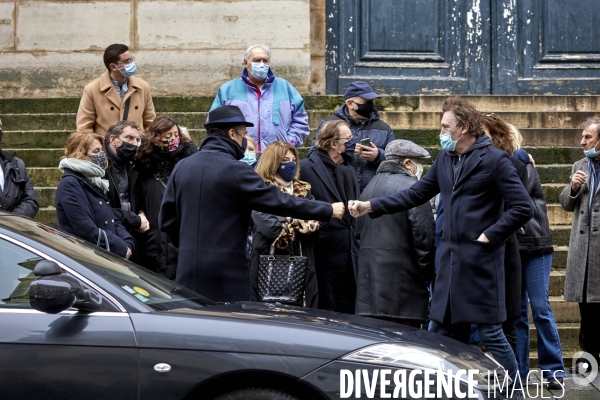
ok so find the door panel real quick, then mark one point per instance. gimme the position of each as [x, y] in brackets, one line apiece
[464, 46]
[63, 356]
[408, 47]
[546, 47]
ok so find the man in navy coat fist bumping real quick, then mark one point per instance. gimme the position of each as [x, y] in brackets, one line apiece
[207, 204]
[475, 181]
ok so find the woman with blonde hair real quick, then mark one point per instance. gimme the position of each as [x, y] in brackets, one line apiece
[81, 204]
[278, 166]
[162, 147]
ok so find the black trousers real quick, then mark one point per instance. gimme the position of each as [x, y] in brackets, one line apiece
[589, 329]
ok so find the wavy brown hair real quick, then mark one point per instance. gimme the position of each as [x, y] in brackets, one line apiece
[465, 113]
[502, 136]
[151, 139]
[271, 158]
[78, 144]
[330, 131]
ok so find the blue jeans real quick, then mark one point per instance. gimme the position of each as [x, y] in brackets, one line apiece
[536, 277]
[491, 335]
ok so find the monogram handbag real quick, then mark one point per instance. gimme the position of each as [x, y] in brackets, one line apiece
[281, 277]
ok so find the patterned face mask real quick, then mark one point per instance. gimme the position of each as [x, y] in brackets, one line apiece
[171, 144]
[99, 159]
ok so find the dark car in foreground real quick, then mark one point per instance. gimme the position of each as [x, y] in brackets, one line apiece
[79, 322]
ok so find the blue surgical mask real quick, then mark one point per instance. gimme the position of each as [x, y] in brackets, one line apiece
[259, 70]
[129, 70]
[592, 153]
[350, 146]
[249, 158]
[447, 143]
[287, 171]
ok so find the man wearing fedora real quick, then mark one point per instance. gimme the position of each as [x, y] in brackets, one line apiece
[359, 112]
[207, 204]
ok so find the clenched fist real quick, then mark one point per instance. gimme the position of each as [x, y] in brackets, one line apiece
[358, 208]
[338, 210]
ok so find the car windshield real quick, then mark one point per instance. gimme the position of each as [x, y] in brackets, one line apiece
[146, 287]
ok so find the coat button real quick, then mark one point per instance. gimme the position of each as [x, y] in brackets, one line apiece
[580, 212]
[581, 232]
[106, 223]
[100, 203]
[108, 202]
[136, 107]
[112, 220]
[112, 108]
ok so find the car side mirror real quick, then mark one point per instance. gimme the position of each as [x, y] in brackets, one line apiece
[55, 291]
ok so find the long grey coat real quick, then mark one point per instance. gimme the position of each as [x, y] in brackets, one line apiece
[584, 245]
[396, 259]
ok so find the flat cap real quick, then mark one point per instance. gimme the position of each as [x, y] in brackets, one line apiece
[399, 148]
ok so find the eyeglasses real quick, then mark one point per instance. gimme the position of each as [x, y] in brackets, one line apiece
[489, 115]
[127, 62]
[346, 140]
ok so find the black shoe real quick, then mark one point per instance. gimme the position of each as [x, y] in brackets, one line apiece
[555, 383]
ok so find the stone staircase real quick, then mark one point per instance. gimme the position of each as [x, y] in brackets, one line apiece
[37, 129]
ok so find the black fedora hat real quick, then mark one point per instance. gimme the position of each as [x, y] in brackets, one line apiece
[226, 115]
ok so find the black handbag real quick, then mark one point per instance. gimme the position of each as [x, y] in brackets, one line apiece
[281, 277]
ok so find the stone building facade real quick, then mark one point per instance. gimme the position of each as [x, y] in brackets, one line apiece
[183, 48]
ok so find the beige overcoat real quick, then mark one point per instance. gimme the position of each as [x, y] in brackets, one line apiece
[101, 106]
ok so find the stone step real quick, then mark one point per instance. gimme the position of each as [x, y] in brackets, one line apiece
[560, 234]
[47, 215]
[427, 103]
[44, 177]
[552, 191]
[558, 216]
[396, 119]
[556, 286]
[567, 354]
[555, 173]
[495, 103]
[559, 257]
[568, 333]
[564, 311]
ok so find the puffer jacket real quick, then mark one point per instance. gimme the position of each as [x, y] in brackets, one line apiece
[534, 237]
[374, 128]
[18, 195]
[276, 109]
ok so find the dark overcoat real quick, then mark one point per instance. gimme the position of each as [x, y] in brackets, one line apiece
[155, 250]
[82, 208]
[336, 249]
[512, 259]
[206, 212]
[470, 285]
[396, 259]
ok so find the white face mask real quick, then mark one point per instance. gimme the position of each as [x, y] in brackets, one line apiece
[419, 172]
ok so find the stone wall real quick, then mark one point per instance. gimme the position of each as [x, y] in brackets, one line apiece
[52, 48]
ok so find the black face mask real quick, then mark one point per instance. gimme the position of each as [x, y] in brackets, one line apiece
[127, 151]
[365, 110]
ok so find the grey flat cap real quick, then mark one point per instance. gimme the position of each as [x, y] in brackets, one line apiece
[399, 148]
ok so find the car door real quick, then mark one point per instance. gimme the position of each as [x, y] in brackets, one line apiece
[66, 355]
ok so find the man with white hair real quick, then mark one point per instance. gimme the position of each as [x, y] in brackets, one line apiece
[271, 103]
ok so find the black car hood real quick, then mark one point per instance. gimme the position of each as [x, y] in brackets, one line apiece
[282, 330]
